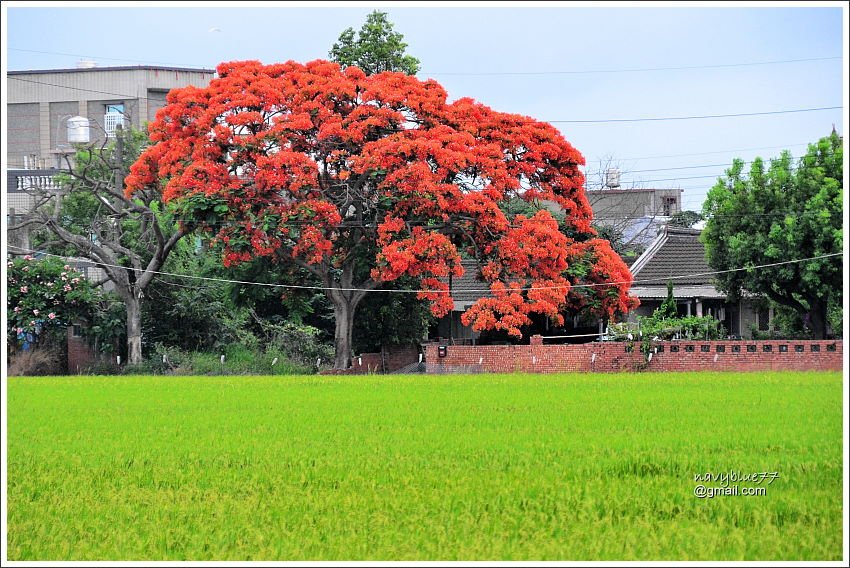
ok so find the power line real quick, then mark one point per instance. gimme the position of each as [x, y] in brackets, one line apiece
[695, 117]
[595, 121]
[630, 70]
[411, 291]
[494, 73]
[109, 58]
[718, 152]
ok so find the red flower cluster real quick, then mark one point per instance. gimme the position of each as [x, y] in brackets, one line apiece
[318, 166]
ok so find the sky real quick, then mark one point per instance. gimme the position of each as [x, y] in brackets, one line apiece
[553, 62]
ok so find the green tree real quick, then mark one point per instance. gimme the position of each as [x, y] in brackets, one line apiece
[686, 219]
[375, 49]
[194, 314]
[668, 308]
[387, 319]
[778, 212]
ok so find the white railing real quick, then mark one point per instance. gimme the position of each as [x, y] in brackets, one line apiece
[42, 182]
[112, 120]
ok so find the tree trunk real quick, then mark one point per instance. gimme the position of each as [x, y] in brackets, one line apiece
[134, 329]
[344, 316]
[818, 318]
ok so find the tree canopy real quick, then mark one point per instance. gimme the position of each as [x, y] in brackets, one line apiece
[362, 179]
[780, 212]
[376, 48]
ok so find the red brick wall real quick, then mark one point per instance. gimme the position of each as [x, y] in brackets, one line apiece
[395, 358]
[80, 353]
[613, 357]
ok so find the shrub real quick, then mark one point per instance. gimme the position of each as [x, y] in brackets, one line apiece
[44, 360]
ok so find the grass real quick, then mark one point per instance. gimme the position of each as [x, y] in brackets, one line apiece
[488, 467]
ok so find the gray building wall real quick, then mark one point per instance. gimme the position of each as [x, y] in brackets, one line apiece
[22, 126]
[624, 203]
[39, 102]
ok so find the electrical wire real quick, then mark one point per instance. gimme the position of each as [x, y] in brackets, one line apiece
[431, 291]
[595, 121]
[494, 73]
[630, 70]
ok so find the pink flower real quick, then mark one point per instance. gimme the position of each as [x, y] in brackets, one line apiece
[32, 322]
[51, 315]
[66, 288]
[24, 289]
[26, 268]
[28, 257]
[35, 312]
[75, 281]
[17, 309]
[20, 330]
[66, 267]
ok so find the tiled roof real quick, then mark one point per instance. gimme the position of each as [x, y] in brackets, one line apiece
[463, 287]
[676, 252]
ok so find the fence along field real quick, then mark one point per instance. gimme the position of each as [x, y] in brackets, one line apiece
[573, 467]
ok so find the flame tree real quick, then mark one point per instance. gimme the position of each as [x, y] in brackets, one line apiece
[363, 179]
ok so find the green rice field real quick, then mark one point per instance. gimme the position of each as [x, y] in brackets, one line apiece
[474, 467]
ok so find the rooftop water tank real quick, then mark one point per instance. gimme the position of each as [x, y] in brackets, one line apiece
[78, 130]
[612, 178]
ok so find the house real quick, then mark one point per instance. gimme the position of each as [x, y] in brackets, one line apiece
[40, 104]
[465, 290]
[678, 256]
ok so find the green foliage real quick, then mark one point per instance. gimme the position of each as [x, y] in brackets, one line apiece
[664, 324]
[686, 219]
[519, 467]
[300, 343]
[45, 294]
[192, 313]
[667, 310]
[376, 48]
[107, 328]
[655, 327]
[238, 360]
[775, 213]
[386, 319]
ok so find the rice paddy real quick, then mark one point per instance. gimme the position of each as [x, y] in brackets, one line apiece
[477, 467]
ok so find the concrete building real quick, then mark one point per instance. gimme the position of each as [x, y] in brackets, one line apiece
[40, 103]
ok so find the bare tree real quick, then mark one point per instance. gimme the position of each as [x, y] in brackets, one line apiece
[628, 216]
[88, 216]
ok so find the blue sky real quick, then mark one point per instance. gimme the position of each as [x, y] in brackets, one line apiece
[456, 45]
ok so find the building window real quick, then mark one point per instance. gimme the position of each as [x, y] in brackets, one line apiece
[113, 118]
[76, 330]
[670, 206]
